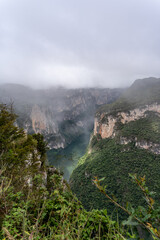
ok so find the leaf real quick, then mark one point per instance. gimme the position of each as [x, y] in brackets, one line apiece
[152, 193]
[146, 217]
[130, 222]
[101, 179]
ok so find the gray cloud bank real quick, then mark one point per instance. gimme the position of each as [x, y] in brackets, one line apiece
[79, 43]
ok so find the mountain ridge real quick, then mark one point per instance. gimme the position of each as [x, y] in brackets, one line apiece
[51, 111]
[125, 140]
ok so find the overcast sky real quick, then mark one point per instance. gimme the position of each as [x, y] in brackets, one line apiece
[79, 43]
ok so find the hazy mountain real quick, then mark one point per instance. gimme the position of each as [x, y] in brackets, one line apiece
[64, 116]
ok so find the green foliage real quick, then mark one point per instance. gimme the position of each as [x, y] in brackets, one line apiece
[142, 92]
[35, 201]
[147, 129]
[114, 162]
[41, 144]
[18, 152]
[52, 212]
[9, 133]
[20, 158]
[147, 218]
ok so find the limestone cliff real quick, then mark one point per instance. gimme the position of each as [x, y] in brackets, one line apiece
[126, 140]
[111, 122]
[60, 114]
[106, 125]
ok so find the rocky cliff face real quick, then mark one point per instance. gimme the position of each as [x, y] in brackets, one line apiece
[111, 123]
[59, 114]
[126, 139]
[105, 124]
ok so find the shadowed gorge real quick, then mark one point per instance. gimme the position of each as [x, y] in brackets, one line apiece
[65, 117]
[124, 141]
[66, 159]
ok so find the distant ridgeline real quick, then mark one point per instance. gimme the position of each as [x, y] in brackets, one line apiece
[65, 117]
[60, 114]
[126, 139]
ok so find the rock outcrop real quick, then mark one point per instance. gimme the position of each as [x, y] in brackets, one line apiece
[139, 103]
[59, 114]
[105, 124]
[126, 140]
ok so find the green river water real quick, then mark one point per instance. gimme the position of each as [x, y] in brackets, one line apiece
[66, 159]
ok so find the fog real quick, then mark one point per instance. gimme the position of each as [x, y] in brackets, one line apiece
[85, 43]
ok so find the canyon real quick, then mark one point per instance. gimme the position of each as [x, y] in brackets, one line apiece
[65, 117]
[125, 140]
[59, 114]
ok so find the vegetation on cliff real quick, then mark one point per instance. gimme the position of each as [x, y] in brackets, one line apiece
[114, 162]
[142, 92]
[130, 149]
[144, 129]
[35, 201]
[60, 114]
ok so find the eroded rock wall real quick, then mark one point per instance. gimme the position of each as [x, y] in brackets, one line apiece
[59, 114]
[105, 125]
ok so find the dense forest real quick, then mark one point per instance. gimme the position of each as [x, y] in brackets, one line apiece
[133, 147]
[37, 203]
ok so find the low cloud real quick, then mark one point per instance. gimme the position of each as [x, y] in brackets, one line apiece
[83, 43]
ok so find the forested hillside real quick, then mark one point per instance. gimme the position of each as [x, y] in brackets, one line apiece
[60, 114]
[125, 140]
[37, 203]
[64, 116]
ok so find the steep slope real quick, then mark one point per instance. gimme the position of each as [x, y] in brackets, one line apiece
[65, 117]
[35, 200]
[126, 140]
[59, 114]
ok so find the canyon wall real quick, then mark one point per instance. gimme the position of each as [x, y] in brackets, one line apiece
[60, 114]
[106, 125]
